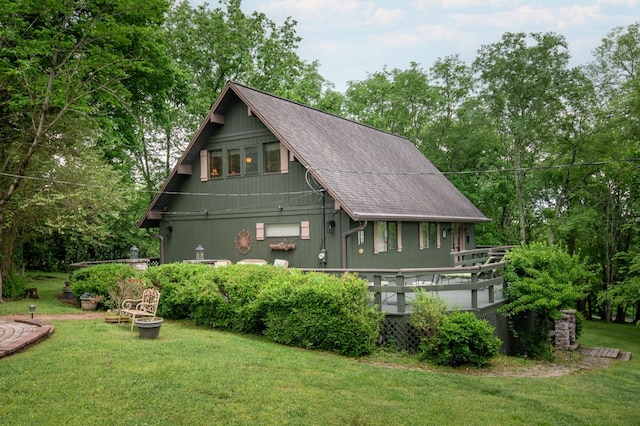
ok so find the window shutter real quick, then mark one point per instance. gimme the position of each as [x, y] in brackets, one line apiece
[399, 235]
[284, 159]
[260, 231]
[304, 230]
[204, 166]
[438, 233]
[421, 235]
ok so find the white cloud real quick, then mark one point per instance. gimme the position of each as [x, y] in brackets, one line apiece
[527, 18]
[384, 17]
[628, 3]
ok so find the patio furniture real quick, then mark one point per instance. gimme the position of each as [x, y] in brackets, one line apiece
[283, 263]
[252, 262]
[145, 307]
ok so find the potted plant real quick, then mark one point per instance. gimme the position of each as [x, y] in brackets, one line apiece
[148, 328]
[89, 301]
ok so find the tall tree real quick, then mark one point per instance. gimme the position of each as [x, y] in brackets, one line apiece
[62, 63]
[211, 46]
[524, 81]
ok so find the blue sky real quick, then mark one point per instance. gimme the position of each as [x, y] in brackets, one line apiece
[351, 38]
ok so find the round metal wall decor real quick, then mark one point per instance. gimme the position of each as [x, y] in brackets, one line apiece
[244, 241]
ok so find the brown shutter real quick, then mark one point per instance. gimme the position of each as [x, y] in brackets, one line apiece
[204, 165]
[304, 230]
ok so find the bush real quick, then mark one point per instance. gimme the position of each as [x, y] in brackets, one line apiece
[101, 280]
[429, 313]
[14, 286]
[541, 281]
[319, 311]
[462, 339]
[183, 287]
[237, 287]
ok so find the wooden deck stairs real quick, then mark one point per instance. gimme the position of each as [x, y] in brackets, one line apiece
[605, 353]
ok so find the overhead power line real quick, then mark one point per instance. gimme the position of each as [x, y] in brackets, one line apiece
[367, 172]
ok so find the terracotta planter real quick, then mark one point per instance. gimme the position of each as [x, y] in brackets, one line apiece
[148, 328]
[88, 304]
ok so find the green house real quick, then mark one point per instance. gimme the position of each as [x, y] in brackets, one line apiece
[268, 178]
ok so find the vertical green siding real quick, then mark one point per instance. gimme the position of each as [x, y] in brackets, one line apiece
[211, 213]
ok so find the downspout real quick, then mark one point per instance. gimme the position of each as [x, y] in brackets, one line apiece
[161, 238]
[344, 241]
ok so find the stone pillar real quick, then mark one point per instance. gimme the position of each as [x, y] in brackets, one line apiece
[566, 329]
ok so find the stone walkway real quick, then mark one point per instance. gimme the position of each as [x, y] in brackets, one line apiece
[18, 334]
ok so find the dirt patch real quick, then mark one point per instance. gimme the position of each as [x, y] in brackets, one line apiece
[564, 363]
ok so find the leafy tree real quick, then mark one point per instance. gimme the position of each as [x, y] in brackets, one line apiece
[63, 63]
[542, 280]
[524, 81]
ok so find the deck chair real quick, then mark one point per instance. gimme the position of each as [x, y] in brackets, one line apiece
[252, 262]
[145, 307]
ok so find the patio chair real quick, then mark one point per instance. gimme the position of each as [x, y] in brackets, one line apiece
[252, 262]
[283, 263]
[145, 307]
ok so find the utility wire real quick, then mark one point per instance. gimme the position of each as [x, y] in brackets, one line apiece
[365, 172]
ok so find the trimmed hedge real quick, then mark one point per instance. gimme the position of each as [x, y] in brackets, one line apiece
[319, 311]
[99, 279]
[313, 310]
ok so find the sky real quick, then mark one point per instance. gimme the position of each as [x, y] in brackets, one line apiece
[353, 38]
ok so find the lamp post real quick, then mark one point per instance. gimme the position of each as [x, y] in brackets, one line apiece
[199, 252]
[133, 253]
[32, 310]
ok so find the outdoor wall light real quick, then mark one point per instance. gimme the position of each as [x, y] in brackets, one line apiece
[133, 253]
[199, 252]
[331, 225]
[32, 310]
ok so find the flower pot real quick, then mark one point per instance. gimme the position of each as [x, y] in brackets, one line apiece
[149, 328]
[88, 304]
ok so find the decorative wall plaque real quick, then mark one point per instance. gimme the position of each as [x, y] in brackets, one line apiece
[244, 241]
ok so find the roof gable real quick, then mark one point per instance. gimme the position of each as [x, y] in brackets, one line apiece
[374, 175]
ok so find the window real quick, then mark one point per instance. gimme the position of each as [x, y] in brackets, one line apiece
[279, 230]
[428, 235]
[386, 237]
[233, 158]
[251, 160]
[215, 163]
[272, 157]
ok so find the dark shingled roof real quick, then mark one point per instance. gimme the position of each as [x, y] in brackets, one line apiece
[374, 175]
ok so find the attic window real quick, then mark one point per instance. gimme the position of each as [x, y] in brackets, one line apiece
[272, 157]
[233, 158]
[215, 163]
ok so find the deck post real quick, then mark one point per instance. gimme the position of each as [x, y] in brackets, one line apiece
[474, 299]
[377, 296]
[401, 295]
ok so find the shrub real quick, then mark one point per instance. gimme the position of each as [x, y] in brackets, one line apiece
[319, 311]
[237, 287]
[429, 313]
[462, 339]
[541, 281]
[101, 279]
[183, 286]
[14, 286]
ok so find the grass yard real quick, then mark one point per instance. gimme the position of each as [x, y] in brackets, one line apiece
[93, 373]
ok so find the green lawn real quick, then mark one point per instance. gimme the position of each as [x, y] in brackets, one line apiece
[90, 372]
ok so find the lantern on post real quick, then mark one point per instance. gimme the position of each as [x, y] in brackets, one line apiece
[32, 310]
[133, 253]
[199, 252]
